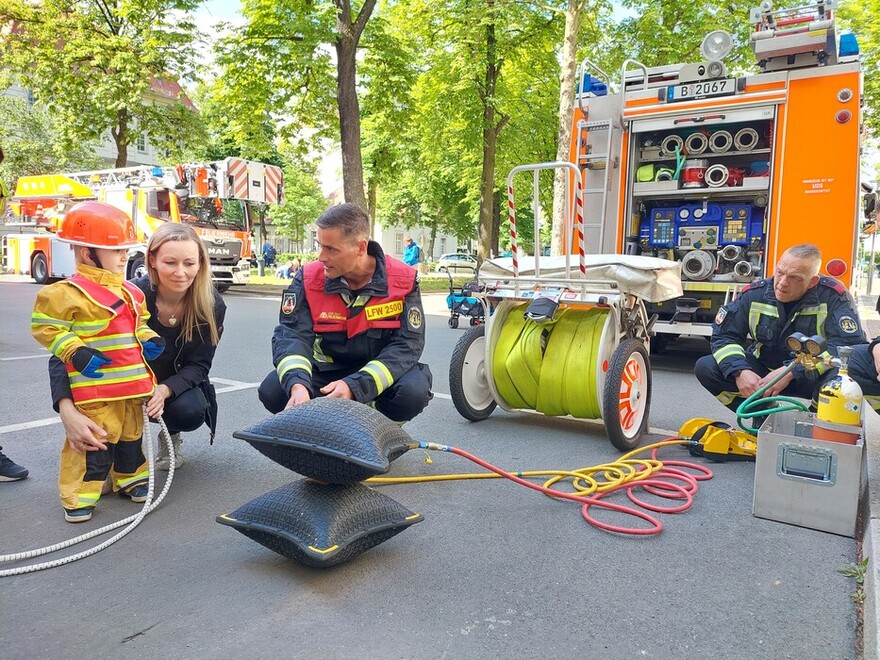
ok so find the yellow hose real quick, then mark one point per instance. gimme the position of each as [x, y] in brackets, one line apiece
[584, 481]
[550, 367]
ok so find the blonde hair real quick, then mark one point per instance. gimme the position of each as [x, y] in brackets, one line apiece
[198, 309]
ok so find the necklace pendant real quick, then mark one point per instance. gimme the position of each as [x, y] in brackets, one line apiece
[172, 321]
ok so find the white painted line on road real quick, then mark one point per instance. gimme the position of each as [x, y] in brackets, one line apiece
[25, 357]
[231, 386]
[12, 428]
[237, 387]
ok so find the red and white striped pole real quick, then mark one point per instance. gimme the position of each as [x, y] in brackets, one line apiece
[513, 249]
[579, 222]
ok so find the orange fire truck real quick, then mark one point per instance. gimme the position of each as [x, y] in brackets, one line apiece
[721, 172]
[216, 198]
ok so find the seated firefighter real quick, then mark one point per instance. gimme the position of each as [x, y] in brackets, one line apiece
[351, 326]
[749, 334]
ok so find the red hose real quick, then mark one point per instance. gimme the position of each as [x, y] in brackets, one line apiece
[655, 485]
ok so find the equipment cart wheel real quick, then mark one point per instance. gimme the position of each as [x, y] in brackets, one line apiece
[627, 396]
[453, 322]
[468, 382]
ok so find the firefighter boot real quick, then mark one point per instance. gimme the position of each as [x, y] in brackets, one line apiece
[163, 462]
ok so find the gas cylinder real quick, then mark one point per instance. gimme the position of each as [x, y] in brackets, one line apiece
[839, 413]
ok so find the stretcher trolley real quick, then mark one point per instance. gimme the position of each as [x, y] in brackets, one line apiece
[567, 335]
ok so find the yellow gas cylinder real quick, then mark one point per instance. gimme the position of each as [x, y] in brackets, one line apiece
[839, 413]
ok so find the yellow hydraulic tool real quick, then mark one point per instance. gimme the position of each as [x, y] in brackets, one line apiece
[717, 441]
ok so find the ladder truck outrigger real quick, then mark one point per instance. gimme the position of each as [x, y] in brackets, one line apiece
[216, 198]
[723, 172]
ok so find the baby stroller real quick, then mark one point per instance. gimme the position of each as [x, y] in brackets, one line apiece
[463, 303]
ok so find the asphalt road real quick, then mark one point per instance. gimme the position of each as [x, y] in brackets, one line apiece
[494, 570]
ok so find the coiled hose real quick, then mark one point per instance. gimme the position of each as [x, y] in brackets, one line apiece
[541, 366]
[131, 521]
[591, 484]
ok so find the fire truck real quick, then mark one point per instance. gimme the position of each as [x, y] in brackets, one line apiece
[723, 172]
[216, 198]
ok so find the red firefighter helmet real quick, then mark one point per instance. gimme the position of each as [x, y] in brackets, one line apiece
[98, 225]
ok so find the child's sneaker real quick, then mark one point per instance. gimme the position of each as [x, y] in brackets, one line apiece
[136, 494]
[78, 515]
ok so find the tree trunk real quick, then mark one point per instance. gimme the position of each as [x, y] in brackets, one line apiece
[121, 137]
[348, 36]
[490, 135]
[371, 206]
[566, 109]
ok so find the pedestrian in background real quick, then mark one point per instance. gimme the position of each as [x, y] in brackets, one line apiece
[411, 252]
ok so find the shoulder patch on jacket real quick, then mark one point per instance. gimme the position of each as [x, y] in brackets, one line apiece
[414, 318]
[288, 302]
[848, 325]
[720, 316]
[831, 283]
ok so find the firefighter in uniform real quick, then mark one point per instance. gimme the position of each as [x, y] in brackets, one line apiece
[351, 326]
[748, 336]
[95, 322]
[864, 368]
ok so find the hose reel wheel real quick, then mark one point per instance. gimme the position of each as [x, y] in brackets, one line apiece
[468, 380]
[627, 394]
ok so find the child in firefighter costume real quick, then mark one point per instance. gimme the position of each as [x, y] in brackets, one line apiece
[95, 322]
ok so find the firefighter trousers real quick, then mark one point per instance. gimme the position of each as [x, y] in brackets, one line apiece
[405, 399]
[724, 389]
[82, 475]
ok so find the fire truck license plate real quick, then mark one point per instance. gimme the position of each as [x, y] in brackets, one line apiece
[700, 90]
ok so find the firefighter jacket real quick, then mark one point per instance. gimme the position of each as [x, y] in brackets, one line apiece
[181, 366]
[372, 336]
[98, 309]
[756, 322]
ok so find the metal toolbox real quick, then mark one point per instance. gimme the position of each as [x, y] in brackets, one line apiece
[806, 482]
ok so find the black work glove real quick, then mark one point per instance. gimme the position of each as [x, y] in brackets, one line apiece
[89, 361]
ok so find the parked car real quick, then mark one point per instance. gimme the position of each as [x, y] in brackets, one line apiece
[456, 262]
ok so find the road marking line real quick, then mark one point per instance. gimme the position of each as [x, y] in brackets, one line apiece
[233, 386]
[12, 428]
[25, 357]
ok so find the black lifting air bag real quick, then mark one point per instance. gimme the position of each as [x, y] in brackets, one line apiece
[320, 525]
[336, 441]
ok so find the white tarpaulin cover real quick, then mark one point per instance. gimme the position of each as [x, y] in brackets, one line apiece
[649, 278]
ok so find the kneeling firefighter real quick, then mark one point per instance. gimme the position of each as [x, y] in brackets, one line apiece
[351, 326]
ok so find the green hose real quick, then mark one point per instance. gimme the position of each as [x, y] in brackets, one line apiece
[756, 406]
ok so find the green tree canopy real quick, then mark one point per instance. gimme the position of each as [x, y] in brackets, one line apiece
[99, 65]
[31, 141]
